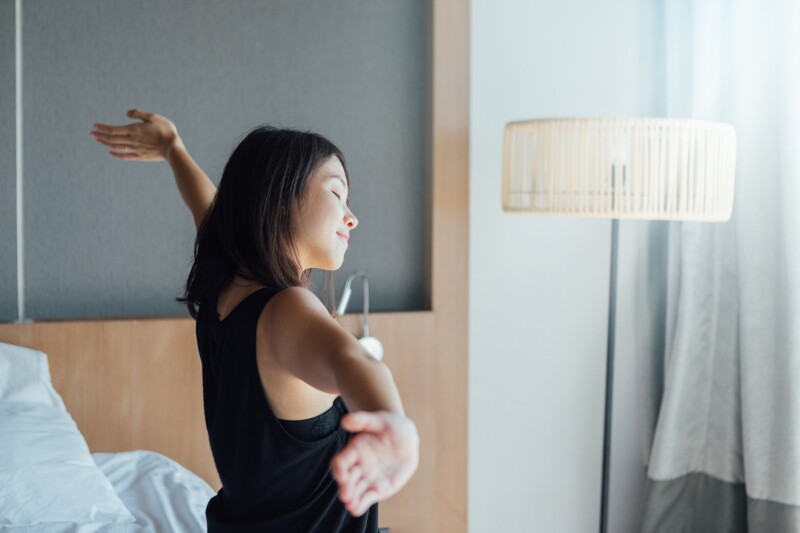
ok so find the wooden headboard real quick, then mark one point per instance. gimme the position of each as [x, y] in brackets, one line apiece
[129, 384]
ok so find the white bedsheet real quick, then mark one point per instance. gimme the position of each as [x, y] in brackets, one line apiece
[161, 494]
[48, 480]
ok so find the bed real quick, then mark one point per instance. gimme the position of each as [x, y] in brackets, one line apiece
[49, 481]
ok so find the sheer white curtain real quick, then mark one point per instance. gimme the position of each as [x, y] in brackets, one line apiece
[720, 354]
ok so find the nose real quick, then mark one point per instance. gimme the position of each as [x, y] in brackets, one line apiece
[350, 220]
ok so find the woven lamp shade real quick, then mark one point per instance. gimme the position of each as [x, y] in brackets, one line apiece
[651, 169]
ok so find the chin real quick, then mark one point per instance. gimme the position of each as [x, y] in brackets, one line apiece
[337, 265]
[332, 264]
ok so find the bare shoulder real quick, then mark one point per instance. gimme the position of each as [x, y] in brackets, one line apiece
[295, 303]
[304, 339]
[293, 315]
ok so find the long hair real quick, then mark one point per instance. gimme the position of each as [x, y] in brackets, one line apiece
[248, 228]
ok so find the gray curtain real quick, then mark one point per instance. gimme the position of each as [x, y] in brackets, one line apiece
[719, 349]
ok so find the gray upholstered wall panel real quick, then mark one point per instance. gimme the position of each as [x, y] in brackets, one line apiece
[112, 238]
[8, 164]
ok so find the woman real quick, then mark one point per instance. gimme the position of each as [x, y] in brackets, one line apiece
[279, 372]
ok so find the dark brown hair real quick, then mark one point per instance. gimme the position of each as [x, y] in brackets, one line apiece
[248, 230]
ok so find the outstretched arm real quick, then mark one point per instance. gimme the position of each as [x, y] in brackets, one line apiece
[156, 139]
[310, 345]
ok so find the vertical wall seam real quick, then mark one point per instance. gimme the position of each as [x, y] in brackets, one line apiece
[18, 106]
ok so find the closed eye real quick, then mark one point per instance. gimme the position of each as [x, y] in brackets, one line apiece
[337, 196]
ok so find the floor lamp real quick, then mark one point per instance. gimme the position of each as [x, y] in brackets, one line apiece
[642, 169]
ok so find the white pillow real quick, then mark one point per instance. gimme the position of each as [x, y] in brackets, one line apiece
[47, 476]
[159, 492]
[25, 376]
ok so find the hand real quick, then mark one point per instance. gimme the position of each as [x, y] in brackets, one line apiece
[378, 461]
[153, 139]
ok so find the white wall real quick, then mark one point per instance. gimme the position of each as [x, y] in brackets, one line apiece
[539, 285]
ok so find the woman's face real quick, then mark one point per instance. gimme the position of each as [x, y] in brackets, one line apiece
[323, 221]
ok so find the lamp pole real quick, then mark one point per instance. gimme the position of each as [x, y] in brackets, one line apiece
[612, 316]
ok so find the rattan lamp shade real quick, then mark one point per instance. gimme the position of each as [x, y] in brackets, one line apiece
[650, 169]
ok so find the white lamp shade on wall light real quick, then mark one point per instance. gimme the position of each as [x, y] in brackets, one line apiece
[646, 169]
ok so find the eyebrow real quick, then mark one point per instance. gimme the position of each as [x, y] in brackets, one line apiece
[344, 182]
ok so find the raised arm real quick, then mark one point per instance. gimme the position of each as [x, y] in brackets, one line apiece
[156, 138]
[311, 345]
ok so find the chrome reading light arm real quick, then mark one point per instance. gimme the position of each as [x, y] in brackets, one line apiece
[372, 345]
[346, 298]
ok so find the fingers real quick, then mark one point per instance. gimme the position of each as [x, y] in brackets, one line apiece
[363, 421]
[126, 147]
[344, 460]
[128, 128]
[352, 460]
[122, 145]
[117, 138]
[377, 462]
[354, 502]
[125, 156]
[348, 489]
[361, 498]
[126, 150]
[369, 499]
[143, 115]
[358, 494]
[348, 473]
[115, 130]
[361, 482]
[355, 453]
[124, 131]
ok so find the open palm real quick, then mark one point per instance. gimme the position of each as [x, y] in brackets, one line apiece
[148, 140]
[378, 460]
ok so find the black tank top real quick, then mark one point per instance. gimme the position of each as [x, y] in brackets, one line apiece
[275, 474]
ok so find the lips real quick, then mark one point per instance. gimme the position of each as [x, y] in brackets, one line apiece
[344, 237]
